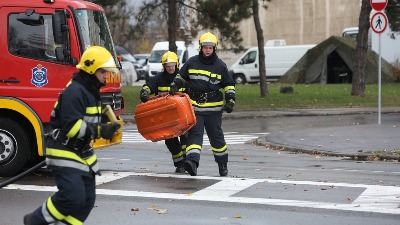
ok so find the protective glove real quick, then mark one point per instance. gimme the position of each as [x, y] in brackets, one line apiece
[173, 88]
[93, 131]
[108, 130]
[228, 107]
[144, 95]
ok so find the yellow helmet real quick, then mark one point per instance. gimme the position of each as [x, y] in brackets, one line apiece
[208, 39]
[170, 59]
[97, 57]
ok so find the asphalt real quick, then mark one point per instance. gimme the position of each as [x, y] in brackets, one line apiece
[369, 142]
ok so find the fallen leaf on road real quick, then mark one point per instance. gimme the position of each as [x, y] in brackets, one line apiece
[190, 194]
[244, 158]
[162, 211]
[152, 207]
[238, 217]
[372, 158]
[135, 209]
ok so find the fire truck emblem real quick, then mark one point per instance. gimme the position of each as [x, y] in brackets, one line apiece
[39, 76]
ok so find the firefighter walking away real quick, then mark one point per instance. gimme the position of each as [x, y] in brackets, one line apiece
[76, 122]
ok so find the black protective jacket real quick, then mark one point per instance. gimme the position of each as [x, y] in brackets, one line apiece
[161, 83]
[78, 105]
[204, 77]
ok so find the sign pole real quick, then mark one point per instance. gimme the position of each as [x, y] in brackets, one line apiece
[378, 24]
[379, 81]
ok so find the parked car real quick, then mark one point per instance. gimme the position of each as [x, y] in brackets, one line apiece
[126, 56]
[141, 56]
[143, 59]
[350, 32]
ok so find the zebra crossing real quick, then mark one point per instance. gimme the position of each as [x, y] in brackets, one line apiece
[231, 138]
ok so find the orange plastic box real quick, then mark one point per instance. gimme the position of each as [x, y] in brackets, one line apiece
[165, 116]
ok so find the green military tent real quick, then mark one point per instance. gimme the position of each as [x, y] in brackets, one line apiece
[332, 61]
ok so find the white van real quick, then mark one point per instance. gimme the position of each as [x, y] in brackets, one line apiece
[160, 48]
[278, 60]
[350, 32]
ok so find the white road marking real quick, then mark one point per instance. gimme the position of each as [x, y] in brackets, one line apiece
[375, 198]
[231, 138]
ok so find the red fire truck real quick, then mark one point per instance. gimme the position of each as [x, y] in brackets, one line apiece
[41, 42]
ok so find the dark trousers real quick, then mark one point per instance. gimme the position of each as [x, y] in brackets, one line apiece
[211, 122]
[73, 201]
[177, 148]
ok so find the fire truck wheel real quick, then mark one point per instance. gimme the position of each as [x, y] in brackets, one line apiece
[14, 147]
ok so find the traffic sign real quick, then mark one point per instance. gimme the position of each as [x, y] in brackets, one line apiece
[378, 5]
[379, 22]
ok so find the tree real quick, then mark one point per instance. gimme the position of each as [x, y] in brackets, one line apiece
[119, 18]
[106, 3]
[172, 25]
[160, 13]
[358, 82]
[222, 15]
[393, 11]
[211, 16]
[260, 44]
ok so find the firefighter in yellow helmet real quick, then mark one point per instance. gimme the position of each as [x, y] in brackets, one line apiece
[76, 121]
[160, 84]
[205, 75]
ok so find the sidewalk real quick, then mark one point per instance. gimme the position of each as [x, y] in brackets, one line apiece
[358, 142]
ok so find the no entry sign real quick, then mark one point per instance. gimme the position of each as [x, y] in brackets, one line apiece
[378, 5]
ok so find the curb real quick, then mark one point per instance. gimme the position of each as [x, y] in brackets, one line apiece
[260, 141]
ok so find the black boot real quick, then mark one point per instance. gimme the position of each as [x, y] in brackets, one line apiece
[223, 169]
[190, 167]
[28, 219]
[180, 169]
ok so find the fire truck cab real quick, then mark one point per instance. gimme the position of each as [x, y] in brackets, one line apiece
[41, 42]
